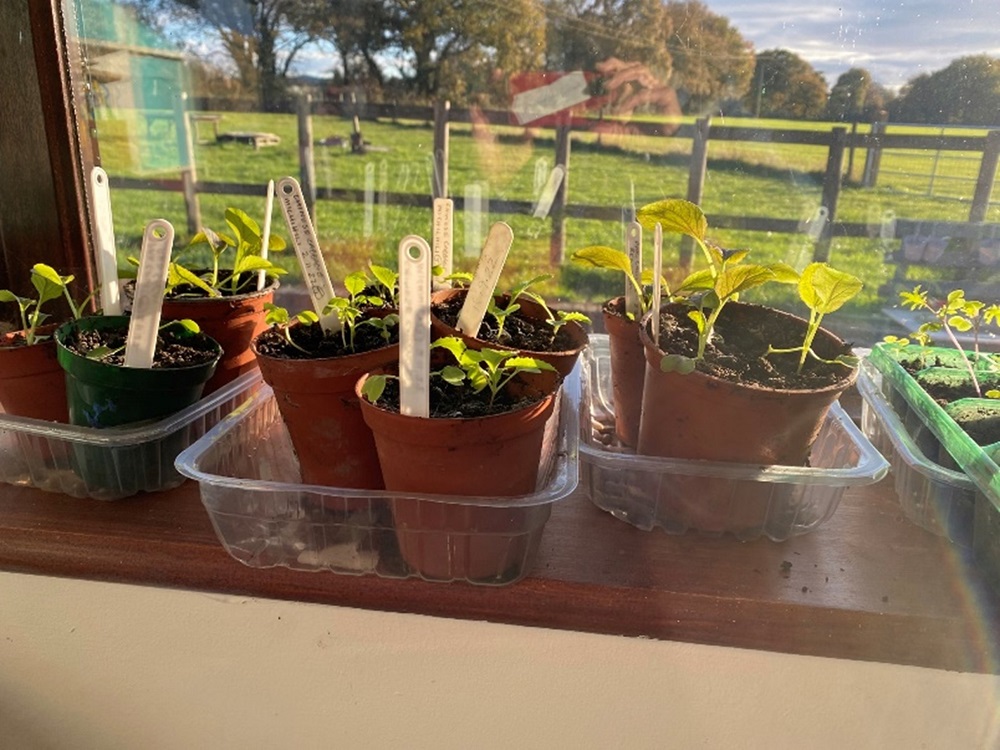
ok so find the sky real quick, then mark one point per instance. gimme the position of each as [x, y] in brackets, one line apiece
[895, 41]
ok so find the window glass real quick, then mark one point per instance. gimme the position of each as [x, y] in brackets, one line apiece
[853, 132]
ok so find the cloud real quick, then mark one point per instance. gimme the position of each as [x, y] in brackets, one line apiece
[894, 41]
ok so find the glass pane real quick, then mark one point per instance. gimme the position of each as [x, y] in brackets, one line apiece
[847, 133]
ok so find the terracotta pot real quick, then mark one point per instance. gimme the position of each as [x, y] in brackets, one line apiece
[232, 321]
[32, 384]
[563, 361]
[499, 456]
[697, 416]
[628, 370]
[319, 407]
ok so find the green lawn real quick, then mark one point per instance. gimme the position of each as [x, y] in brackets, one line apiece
[744, 179]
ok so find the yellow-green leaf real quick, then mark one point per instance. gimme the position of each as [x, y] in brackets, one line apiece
[674, 215]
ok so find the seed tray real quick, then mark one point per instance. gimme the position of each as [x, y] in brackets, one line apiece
[266, 517]
[748, 501]
[936, 498]
[114, 462]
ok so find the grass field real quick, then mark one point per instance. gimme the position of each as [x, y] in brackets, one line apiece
[744, 179]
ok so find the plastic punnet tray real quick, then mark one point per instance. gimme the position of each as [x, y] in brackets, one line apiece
[976, 461]
[934, 497]
[748, 501]
[114, 462]
[265, 517]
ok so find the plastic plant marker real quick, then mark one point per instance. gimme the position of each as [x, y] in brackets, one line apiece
[414, 326]
[306, 244]
[657, 275]
[548, 194]
[150, 285]
[442, 241]
[104, 236]
[484, 280]
[266, 238]
[634, 241]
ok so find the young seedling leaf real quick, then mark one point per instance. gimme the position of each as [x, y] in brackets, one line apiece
[674, 215]
[373, 388]
[825, 289]
[677, 363]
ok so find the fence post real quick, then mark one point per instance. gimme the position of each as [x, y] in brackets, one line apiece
[441, 131]
[874, 156]
[987, 175]
[696, 182]
[850, 152]
[831, 192]
[189, 173]
[307, 168]
[557, 242]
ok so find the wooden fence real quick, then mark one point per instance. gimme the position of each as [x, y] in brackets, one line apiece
[838, 142]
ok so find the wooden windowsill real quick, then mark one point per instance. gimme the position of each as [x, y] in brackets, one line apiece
[867, 585]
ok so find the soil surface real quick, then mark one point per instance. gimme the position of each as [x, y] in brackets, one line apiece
[519, 331]
[173, 349]
[980, 422]
[738, 348]
[448, 401]
[319, 343]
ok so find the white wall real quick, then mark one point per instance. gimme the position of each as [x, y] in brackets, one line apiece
[92, 665]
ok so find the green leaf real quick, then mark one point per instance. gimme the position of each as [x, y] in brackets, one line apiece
[732, 281]
[959, 323]
[255, 263]
[355, 282]
[307, 317]
[274, 315]
[601, 256]
[47, 282]
[493, 358]
[518, 290]
[178, 274]
[674, 215]
[100, 352]
[276, 243]
[453, 375]
[528, 364]
[373, 388]
[452, 344]
[244, 227]
[8, 296]
[825, 289]
[677, 363]
[186, 323]
[384, 276]
[784, 273]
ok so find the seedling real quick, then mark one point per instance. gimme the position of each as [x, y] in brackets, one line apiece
[100, 353]
[955, 313]
[484, 369]
[602, 256]
[278, 317]
[386, 282]
[351, 309]
[50, 285]
[556, 319]
[824, 290]
[246, 239]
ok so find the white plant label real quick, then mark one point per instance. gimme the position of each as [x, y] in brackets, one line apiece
[548, 195]
[150, 285]
[306, 244]
[633, 236]
[414, 326]
[441, 241]
[484, 280]
[369, 215]
[657, 276]
[104, 235]
[266, 233]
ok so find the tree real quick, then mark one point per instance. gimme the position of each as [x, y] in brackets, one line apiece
[712, 61]
[967, 92]
[450, 42]
[786, 87]
[359, 29]
[849, 96]
[583, 33]
[260, 37]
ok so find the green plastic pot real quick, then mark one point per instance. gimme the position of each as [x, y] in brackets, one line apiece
[104, 395]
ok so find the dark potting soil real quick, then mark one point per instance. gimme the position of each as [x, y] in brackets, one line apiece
[319, 343]
[453, 402]
[519, 331]
[173, 349]
[738, 348]
[980, 422]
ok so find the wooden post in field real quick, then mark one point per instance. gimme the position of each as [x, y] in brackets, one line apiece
[986, 178]
[850, 152]
[874, 157]
[696, 181]
[189, 171]
[557, 241]
[307, 168]
[441, 131]
[831, 191]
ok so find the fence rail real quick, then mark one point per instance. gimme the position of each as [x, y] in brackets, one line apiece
[837, 141]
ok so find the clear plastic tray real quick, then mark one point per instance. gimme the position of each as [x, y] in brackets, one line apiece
[748, 501]
[115, 462]
[932, 496]
[265, 517]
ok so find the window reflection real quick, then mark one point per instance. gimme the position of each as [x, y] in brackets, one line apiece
[195, 105]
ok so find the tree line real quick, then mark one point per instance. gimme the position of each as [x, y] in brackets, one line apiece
[640, 55]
